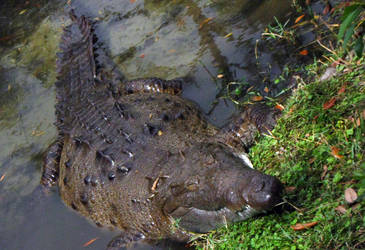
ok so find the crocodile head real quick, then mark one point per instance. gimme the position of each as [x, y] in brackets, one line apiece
[226, 191]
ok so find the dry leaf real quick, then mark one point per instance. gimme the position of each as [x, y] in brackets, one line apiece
[307, 2]
[90, 242]
[342, 89]
[350, 195]
[205, 22]
[22, 12]
[228, 35]
[2, 177]
[257, 98]
[266, 89]
[330, 103]
[304, 52]
[326, 9]
[9, 87]
[159, 133]
[325, 169]
[220, 76]
[300, 226]
[132, 1]
[329, 73]
[141, 56]
[290, 189]
[299, 18]
[335, 152]
[172, 50]
[341, 209]
[279, 107]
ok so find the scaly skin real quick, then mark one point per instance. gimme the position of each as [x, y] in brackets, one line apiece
[136, 156]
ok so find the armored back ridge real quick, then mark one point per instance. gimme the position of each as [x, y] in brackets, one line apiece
[138, 157]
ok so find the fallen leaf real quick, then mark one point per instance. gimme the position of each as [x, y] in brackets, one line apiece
[220, 76]
[172, 50]
[228, 35]
[335, 152]
[68, 2]
[304, 52]
[307, 2]
[290, 189]
[341, 209]
[350, 195]
[330, 103]
[342, 89]
[22, 12]
[2, 177]
[9, 87]
[159, 133]
[90, 242]
[325, 169]
[279, 107]
[132, 1]
[299, 18]
[329, 72]
[141, 56]
[37, 133]
[326, 9]
[257, 98]
[266, 89]
[300, 226]
[205, 22]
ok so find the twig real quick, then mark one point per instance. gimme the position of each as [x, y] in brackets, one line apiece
[333, 52]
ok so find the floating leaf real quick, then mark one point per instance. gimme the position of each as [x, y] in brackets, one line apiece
[279, 107]
[299, 18]
[90, 242]
[330, 103]
[228, 35]
[300, 226]
[335, 152]
[304, 52]
[350, 195]
[205, 22]
[257, 98]
[220, 76]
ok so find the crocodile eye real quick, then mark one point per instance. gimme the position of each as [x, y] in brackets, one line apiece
[257, 184]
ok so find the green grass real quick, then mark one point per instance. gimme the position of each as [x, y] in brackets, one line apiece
[297, 153]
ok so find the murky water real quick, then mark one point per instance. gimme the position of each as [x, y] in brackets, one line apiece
[166, 39]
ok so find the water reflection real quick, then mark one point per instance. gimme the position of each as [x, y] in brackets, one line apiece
[165, 39]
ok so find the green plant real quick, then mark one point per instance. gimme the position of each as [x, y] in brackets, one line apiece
[352, 20]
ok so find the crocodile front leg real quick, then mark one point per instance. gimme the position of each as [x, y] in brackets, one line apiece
[240, 134]
[51, 164]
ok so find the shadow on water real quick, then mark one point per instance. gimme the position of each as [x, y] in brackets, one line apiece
[166, 39]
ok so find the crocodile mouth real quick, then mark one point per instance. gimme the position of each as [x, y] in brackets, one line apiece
[202, 221]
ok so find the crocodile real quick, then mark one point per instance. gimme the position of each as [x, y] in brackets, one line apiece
[136, 156]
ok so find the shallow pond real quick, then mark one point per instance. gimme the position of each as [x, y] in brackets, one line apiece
[167, 39]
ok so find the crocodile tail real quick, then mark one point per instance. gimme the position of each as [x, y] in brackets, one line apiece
[75, 63]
